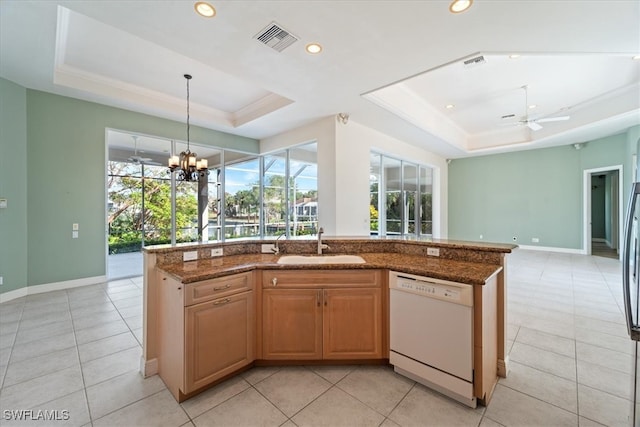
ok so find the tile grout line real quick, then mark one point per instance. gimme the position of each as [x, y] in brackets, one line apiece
[269, 400]
[84, 384]
[575, 352]
[12, 345]
[337, 385]
[400, 401]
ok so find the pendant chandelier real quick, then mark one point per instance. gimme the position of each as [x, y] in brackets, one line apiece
[187, 166]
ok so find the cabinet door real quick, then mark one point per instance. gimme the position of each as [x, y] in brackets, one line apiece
[292, 324]
[219, 338]
[352, 323]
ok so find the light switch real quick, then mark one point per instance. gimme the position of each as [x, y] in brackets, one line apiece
[3, 203]
[75, 227]
[190, 256]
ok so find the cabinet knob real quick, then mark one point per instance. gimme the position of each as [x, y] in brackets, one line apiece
[274, 281]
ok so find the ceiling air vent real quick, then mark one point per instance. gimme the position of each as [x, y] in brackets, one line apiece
[508, 116]
[473, 62]
[276, 37]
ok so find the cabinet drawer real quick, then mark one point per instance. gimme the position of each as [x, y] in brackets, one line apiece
[321, 278]
[215, 288]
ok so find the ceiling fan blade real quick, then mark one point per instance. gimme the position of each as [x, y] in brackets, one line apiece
[553, 119]
[534, 126]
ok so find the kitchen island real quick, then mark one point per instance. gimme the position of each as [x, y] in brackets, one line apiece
[191, 342]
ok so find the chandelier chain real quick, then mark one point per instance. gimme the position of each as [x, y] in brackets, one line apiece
[188, 77]
[186, 166]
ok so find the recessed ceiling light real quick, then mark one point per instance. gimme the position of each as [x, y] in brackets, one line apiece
[313, 48]
[458, 6]
[532, 106]
[514, 56]
[449, 106]
[205, 9]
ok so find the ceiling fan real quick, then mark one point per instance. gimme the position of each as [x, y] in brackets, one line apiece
[138, 159]
[533, 124]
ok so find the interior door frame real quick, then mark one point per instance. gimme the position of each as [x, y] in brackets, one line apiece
[586, 206]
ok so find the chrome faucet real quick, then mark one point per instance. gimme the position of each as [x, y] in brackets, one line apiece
[276, 249]
[321, 245]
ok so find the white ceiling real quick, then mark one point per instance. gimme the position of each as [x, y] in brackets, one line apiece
[391, 65]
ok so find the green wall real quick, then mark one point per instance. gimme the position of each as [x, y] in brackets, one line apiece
[527, 194]
[13, 185]
[66, 157]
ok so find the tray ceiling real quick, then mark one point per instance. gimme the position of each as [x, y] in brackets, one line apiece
[405, 56]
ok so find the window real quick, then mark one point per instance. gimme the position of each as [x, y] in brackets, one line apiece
[274, 193]
[290, 191]
[139, 195]
[400, 194]
[303, 190]
[244, 195]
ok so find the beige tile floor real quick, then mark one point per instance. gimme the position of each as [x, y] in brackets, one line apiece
[78, 351]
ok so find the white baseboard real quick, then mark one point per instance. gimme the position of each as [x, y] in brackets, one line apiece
[553, 249]
[148, 368]
[48, 287]
[11, 295]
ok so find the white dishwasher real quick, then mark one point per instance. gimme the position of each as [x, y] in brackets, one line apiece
[431, 333]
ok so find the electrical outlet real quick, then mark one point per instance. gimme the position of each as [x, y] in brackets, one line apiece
[268, 248]
[1, 280]
[216, 252]
[535, 240]
[481, 237]
[190, 256]
[74, 234]
[75, 226]
[433, 251]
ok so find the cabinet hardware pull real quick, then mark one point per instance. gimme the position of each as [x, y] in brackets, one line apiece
[224, 301]
[179, 287]
[274, 281]
[219, 288]
[318, 298]
[325, 298]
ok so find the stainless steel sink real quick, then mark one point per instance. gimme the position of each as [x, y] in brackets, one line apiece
[320, 259]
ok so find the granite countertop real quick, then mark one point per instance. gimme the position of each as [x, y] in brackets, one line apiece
[411, 240]
[458, 271]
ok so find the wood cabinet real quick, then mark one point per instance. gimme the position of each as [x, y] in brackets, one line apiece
[352, 323]
[219, 339]
[314, 315]
[292, 324]
[207, 331]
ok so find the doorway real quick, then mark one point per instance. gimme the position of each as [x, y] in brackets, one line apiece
[603, 211]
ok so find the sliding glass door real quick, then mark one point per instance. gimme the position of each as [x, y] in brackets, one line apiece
[400, 194]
